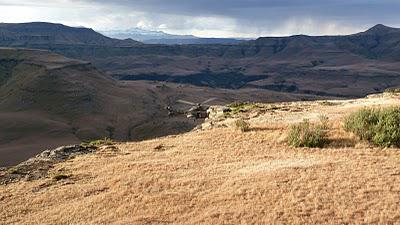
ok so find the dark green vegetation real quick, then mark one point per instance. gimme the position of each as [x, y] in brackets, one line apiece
[97, 143]
[240, 107]
[378, 126]
[305, 134]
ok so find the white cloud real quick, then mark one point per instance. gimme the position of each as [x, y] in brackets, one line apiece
[163, 26]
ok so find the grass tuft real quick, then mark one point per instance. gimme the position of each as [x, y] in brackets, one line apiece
[242, 125]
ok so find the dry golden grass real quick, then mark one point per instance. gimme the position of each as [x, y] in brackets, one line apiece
[218, 176]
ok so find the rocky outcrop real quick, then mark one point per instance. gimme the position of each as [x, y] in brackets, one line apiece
[38, 166]
[217, 112]
[61, 153]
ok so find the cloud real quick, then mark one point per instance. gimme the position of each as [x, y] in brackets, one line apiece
[220, 18]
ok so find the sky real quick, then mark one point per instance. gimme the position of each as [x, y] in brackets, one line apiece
[210, 18]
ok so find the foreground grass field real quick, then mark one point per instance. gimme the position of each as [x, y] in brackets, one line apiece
[222, 176]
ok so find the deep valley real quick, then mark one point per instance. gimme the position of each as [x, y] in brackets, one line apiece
[79, 85]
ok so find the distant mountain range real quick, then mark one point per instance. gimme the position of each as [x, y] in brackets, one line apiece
[143, 35]
[38, 33]
[159, 37]
[341, 66]
[379, 42]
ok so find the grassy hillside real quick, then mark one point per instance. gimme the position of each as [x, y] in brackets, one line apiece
[221, 175]
[47, 100]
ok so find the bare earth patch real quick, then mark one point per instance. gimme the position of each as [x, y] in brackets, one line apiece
[217, 176]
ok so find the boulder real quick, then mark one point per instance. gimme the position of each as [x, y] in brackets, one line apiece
[217, 112]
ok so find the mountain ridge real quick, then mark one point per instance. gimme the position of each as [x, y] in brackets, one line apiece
[380, 29]
[160, 37]
[297, 64]
[28, 34]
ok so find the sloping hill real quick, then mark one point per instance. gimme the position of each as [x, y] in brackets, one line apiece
[48, 100]
[222, 176]
[48, 34]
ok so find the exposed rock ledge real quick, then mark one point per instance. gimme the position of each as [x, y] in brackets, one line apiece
[38, 166]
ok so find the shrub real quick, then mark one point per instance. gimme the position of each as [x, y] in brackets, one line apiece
[306, 134]
[362, 123]
[242, 125]
[378, 126]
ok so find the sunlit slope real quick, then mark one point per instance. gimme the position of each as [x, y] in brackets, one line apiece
[221, 175]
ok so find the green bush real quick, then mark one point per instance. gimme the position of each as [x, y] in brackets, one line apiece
[378, 126]
[242, 125]
[309, 135]
[362, 123]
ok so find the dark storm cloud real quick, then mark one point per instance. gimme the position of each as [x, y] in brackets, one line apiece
[212, 17]
[271, 17]
[268, 9]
